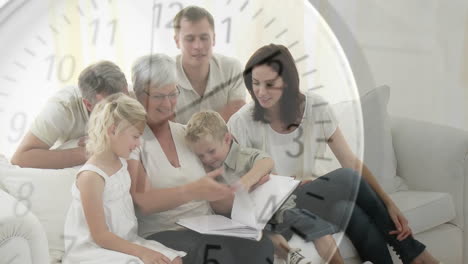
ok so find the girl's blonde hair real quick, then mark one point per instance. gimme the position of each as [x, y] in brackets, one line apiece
[119, 110]
[204, 124]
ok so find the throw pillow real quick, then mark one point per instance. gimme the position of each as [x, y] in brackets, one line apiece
[379, 155]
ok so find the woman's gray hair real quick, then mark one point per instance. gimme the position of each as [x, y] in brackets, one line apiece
[155, 70]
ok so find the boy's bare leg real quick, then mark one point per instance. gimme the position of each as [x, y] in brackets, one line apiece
[328, 250]
[281, 245]
[425, 258]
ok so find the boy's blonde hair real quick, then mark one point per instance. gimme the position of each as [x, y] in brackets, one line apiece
[117, 109]
[204, 124]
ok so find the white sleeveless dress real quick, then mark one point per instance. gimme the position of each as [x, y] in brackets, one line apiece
[120, 219]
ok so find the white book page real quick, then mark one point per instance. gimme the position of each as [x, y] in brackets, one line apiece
[255, 209]
[243, 209]
[220, 225]
[210, 222]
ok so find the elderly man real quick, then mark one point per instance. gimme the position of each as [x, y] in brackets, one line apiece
[65, 117]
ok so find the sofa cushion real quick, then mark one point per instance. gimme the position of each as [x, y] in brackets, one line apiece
[379, 155]
[425, 210]
[47, 194]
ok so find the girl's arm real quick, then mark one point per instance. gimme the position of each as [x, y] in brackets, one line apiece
[151, 200]
[348, 159]
[91, 187]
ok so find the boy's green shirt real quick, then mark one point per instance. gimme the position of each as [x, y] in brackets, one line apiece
[239, 161]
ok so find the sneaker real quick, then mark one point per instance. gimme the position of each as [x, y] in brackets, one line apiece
[294, 257]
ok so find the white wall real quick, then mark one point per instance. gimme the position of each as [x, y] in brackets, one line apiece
[420, 49]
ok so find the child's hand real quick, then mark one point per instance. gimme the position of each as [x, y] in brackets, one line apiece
[82, 141]
[177, 260]
[304, 182]
[149, 256]
[262, 180]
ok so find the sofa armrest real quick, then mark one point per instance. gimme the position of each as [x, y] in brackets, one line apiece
[26, 228]
[432, 157]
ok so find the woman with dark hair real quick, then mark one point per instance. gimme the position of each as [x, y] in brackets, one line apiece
[294, 128]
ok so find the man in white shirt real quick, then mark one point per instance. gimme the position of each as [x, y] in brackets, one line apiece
[207, 81]
[64, 118]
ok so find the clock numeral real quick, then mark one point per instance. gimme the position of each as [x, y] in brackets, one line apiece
[159, 6]
[112, 24]
[227, 20]
[73, 241]
[209, 247]
[17, 126]
[24, 198]
[269, 205]
[65, 67]
[299, 142]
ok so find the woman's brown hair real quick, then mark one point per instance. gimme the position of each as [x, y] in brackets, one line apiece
[281, 61]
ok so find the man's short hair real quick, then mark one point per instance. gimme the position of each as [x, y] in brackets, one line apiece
[103, 77]
[192, 14]
[204, 125]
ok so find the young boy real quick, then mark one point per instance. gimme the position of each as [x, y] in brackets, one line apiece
[207, 135]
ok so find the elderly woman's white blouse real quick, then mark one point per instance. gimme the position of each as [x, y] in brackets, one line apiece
[295, 153]
[162, 174]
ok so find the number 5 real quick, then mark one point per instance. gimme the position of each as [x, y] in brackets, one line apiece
[206, 260]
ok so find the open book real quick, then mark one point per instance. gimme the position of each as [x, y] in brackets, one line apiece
[250, 211]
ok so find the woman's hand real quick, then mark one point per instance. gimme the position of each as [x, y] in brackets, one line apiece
[207, 188]
[149, 256]
[401, 223]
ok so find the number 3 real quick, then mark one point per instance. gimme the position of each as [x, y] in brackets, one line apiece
[299, 142]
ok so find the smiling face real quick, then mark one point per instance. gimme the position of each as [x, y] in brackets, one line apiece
[195, 39]
[267, 86]
[160, 103]
[212, 152]
[125, 141]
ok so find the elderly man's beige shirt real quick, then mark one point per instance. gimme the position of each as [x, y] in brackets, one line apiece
[225, 84]
[63, 118]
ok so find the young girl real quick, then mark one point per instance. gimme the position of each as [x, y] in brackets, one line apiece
[101, 226]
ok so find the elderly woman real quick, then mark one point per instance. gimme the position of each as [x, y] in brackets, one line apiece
[168, 180]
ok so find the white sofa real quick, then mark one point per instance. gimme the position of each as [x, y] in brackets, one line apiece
[431, 160]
